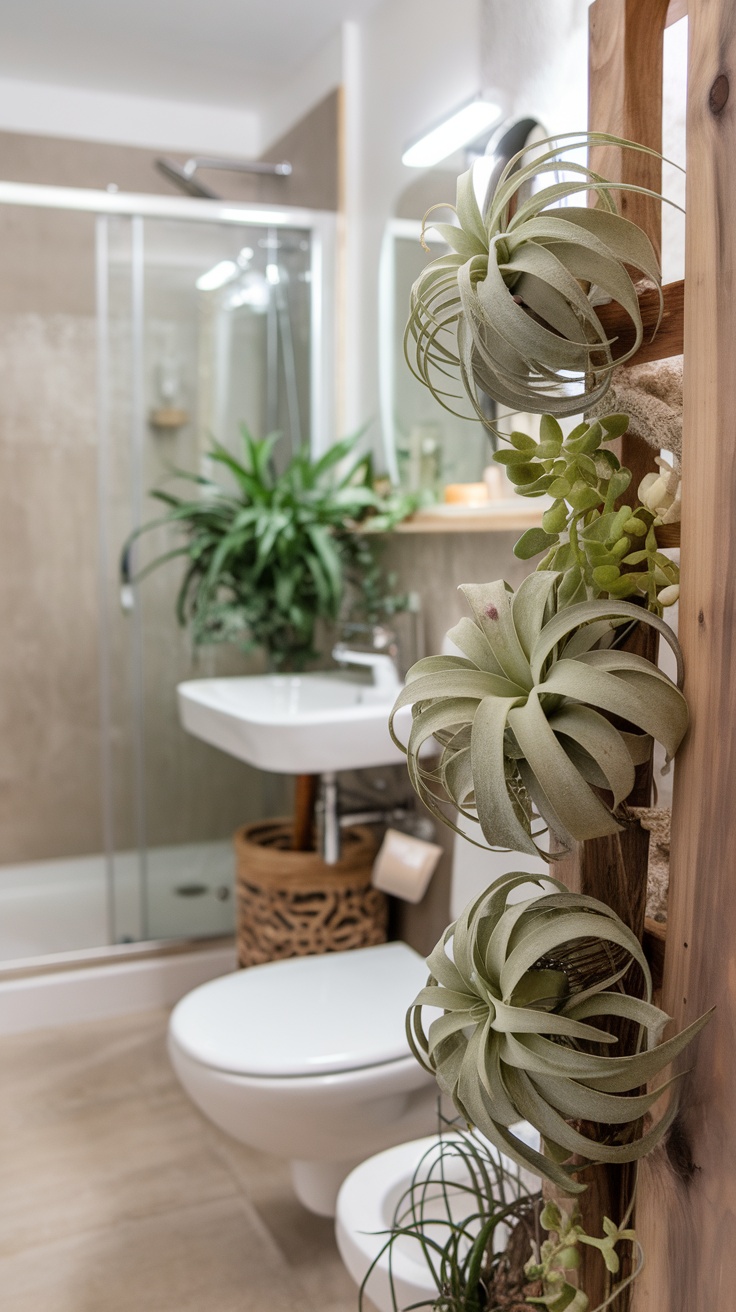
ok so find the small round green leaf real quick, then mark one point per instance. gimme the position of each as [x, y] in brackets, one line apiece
[534, 541]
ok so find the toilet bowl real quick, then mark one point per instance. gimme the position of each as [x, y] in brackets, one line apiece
[367, 1203]
[308, 1059]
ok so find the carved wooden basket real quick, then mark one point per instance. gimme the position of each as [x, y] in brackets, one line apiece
[291, 904]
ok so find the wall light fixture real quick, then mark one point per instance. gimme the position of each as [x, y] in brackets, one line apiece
[458, 129]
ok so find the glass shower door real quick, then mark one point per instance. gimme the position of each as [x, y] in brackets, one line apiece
[205, 327]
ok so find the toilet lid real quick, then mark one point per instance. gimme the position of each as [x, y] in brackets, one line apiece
[304, 1016]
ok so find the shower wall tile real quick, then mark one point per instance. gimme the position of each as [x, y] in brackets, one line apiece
[47, 381]
[50, 782]
[49, 712]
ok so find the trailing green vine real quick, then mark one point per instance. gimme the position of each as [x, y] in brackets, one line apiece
[560, 1254]
[602, 549]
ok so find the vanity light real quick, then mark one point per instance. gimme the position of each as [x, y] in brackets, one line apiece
[217, 276]
[462, 126]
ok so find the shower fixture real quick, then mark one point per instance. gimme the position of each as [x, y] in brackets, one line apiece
[184, 175]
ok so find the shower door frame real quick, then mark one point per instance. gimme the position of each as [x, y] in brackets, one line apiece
[321, 226]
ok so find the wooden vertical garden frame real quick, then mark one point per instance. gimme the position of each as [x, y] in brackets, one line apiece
[686, 1201]
[687, 1209]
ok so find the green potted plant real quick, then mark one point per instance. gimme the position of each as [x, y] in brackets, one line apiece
[479, 1228]
[269, 559]
[273, 555]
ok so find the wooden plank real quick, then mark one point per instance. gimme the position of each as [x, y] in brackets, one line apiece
[626, 99]
[626, 58]
[655, 938]
[669, 336]
[676, 11]
[668, 535]
[306, 787]
[687, 1217]
[626, 39]
[499, 517]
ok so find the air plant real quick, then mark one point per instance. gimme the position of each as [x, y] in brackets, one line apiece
[603, 551]
[511, 309]
[523, 717]
[517, 984]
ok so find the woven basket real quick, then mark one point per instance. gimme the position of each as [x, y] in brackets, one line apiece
[290, 904]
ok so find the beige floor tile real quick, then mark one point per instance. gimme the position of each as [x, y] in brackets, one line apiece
[102, 1164]
[205, 1258]
[117, 1196]
[74, 1065]
[307, 1241]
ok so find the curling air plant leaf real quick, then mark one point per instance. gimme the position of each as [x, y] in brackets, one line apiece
[522, 718]
[527, 992]
[511, 310]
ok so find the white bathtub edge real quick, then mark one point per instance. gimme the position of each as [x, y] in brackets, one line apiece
[92, 993]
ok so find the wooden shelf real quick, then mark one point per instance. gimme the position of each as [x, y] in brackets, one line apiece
[496, 517]
[669, 338]
[668, 535]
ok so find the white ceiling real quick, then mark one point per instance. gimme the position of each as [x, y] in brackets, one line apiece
[222, 52]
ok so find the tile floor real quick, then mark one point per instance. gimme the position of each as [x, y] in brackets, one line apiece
[117, 1196]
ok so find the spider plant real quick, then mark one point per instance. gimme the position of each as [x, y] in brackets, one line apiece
[271, 555]
[511, 309]
[518, 984]
[523, 717]
[475, 1220]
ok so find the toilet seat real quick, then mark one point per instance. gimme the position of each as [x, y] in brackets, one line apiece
[306, 1016]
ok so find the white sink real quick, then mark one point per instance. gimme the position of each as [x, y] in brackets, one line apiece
[294, 724]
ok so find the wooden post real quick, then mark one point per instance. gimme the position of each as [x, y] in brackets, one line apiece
[625, 98]
[687, 1203]
[626, 41]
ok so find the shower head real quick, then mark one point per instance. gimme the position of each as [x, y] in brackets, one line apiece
[184, 175]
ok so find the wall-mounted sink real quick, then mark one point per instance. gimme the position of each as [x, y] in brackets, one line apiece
[294, 724]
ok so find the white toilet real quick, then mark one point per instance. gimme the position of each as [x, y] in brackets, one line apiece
[308, 1058]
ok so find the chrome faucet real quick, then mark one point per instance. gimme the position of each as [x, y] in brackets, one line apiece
[382, 663]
